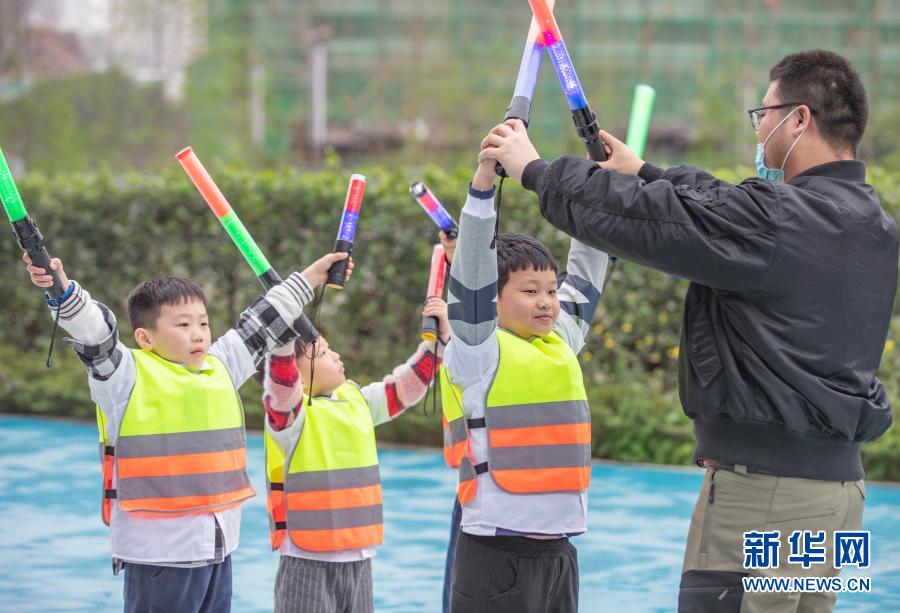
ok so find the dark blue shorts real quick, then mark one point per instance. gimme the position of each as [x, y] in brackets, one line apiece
[165, 589]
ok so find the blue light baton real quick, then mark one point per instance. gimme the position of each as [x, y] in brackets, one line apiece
[585, 119]
[347, 230]
[434, 208]
[529, 69]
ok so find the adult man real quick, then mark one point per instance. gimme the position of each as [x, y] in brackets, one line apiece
[792, 287]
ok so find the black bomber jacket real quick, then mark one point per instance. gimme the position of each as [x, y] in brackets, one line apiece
[785, 319]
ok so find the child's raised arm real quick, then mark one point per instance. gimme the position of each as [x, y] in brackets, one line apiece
[282, 384]
[95, 339]
[579, 292]
[265, 324]
[282, 388]
[409, 382]
[473, 284]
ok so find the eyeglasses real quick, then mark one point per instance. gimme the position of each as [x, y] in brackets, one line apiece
[756, 117]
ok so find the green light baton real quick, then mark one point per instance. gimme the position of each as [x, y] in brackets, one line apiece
[28, 236]
[267, 275]
[639, 123]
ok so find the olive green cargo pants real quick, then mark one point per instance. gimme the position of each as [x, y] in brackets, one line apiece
[732, 502]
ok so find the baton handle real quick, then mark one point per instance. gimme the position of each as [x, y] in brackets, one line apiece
[338, 270]
[31, 241]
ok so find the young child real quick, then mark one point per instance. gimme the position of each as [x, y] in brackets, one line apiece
[172, 428]
[322, 467]
[522, 484]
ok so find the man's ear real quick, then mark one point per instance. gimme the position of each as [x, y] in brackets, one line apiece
[142, 338]
[804, 118]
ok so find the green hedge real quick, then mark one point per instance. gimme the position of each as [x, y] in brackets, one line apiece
[113, 231]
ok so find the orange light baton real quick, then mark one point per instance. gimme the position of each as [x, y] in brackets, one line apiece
[436, 280]
[267, 275]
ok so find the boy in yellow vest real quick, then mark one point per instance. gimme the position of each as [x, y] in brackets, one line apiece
[524, 475]
[322, 467]
[172, 428]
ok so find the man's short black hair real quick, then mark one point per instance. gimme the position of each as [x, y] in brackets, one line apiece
[147, 299]
[828, 84]
[520, 252]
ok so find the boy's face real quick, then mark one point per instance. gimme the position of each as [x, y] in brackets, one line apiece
[329, 372]
[181, 334]
[528, 305]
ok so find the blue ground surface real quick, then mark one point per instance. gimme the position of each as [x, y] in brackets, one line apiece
[54, 551]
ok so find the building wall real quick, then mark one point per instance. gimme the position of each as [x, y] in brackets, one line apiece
[452, 64]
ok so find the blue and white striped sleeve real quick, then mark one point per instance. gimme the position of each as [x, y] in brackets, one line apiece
[579, 292]
[472, 295]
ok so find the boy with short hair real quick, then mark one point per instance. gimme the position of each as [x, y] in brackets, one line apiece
[322, 467]
[172, 428]
[516, 332]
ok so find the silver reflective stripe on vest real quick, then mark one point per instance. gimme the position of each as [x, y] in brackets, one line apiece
[335, 519]
[338, 479]
[540, 414]
[466, 471]
[457, 431]
[181, 443]
[540, 456]
[205, 484]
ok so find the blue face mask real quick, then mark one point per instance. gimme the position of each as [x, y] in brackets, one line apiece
[773, 174]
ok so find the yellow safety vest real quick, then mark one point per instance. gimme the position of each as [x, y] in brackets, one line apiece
[181, 446]
[537, 418]
[330, 497]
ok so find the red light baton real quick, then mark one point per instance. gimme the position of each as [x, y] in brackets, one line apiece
[434, 208]
[436, 279]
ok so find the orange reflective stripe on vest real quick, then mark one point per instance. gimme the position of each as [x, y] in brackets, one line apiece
[107, 467]
[578, 434]
[455, 441]
[333, 510]
[467, 487]
[340, 539]
[170, 473]
[540, 447]
[452, 420]
[276, 508]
